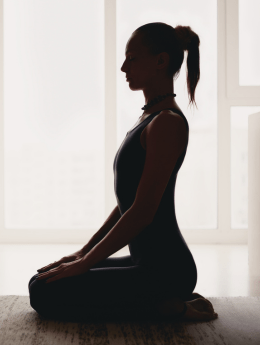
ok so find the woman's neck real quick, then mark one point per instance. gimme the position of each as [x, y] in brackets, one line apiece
[160, 106]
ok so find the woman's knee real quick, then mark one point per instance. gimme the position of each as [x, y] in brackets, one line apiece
[31, 280]
[37, 293]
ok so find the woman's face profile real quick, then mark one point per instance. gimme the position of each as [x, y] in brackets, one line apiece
[139, 65]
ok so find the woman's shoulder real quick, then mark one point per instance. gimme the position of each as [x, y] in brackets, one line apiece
[167, 117]
[177, 113]
[167, 125]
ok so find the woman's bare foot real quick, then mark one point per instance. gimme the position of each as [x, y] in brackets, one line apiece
[196, 295]
[199, 309]
[202, 304]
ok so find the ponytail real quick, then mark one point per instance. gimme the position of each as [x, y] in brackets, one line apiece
[190, 41]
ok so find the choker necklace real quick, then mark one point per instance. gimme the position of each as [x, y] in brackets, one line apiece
[157, 100]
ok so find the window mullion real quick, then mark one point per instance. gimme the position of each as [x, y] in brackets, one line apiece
[110, 102]
[234, 90]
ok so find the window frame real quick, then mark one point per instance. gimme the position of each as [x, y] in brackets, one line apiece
[229, 94]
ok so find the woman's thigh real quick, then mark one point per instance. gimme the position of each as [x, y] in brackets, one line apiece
[99, 287]
[102, 292]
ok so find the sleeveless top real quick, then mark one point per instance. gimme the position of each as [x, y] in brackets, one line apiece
[161, 242]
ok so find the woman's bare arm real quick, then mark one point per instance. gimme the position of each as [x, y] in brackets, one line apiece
[113, 218]
[132, 222]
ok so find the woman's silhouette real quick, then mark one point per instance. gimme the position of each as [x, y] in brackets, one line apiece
[160, 274]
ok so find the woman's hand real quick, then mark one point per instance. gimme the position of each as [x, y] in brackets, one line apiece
[69, 258]
[66, 269]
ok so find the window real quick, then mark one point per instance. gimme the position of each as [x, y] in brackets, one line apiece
[53, 114]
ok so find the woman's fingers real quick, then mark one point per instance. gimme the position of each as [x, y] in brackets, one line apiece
[69, 258]
[50, 273]
[54, 264]
[43, 268]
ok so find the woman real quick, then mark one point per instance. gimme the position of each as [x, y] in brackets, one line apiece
[158, 277]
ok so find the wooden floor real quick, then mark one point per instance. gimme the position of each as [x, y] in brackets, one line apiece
[222, 269]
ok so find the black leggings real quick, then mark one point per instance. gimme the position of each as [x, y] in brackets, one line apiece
[113, 289]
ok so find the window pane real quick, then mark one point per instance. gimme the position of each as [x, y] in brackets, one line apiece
[239, 165]
[196, 186]
[249, 48]
[53, 123]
